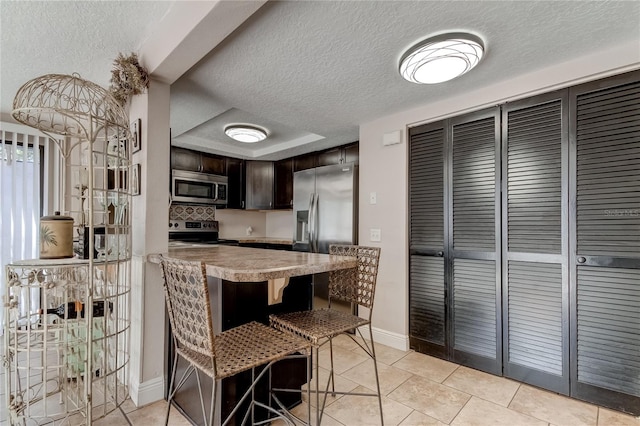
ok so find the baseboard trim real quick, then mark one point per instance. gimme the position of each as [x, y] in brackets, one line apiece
[147, 392]
[387, 338]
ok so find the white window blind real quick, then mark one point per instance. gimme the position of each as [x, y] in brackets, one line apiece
[20, 203]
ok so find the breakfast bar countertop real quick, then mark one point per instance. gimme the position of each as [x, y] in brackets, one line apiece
[243, 264]
[265, 240]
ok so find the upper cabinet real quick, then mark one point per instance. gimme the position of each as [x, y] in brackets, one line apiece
[351, 153]
[304, 162]
[213, 164]
[340, 155]
[283, 184]
[195, 161]
[259, 185]
[329, 157]
[185, 159]
[235, 184]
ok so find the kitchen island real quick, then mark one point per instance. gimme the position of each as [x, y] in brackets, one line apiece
[243, 264]
[248, 284]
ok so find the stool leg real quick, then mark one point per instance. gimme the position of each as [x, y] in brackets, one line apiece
[204, 413]
[309, 372]
[212, 409]
[375, 367]
[173, 377]
[253, 395]
[333, 385]
[318, 415]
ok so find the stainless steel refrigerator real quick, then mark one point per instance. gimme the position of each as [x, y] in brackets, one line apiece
[325, 206]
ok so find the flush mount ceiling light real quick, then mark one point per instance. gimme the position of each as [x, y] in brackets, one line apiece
[245, 133]
[441, 58]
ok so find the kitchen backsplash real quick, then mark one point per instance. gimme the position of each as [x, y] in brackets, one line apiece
[191, 212]
[234, 223]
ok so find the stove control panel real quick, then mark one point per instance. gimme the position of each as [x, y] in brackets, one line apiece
[193, 226]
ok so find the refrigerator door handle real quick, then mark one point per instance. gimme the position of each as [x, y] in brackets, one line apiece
[315, 222]
[310, 219]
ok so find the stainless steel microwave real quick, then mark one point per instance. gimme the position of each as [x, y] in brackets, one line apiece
[200, 188]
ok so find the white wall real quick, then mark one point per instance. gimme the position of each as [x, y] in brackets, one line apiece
[280, 224]
[274, 224]
[150, 214]
[384, 170]
[234, 223]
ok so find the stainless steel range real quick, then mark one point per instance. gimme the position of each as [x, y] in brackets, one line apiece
[190, 232]
[193, 231]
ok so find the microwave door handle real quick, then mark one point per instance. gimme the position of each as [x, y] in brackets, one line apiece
[215, 192]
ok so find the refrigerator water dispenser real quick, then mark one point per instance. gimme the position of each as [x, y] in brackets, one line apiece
[302, 226]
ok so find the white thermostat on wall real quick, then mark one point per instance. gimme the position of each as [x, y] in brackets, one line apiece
[392, 138]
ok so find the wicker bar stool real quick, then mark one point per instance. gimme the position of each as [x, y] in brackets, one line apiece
[320, 326]
[251, 346]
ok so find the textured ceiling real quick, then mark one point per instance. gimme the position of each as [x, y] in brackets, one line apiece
[65, 37]
[324, 67]
[309, 71]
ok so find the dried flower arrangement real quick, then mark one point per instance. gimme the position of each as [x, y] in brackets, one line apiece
[128, 78]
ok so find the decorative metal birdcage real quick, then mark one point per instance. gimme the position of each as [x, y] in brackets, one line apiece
[66, 351]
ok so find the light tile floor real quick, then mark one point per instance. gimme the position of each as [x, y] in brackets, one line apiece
[418, 390]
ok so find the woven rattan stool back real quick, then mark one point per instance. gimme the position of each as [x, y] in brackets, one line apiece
[187, 297]
[355, 285]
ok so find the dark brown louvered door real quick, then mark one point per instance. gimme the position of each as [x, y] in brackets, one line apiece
[605, 242]
[534, 240]
[427, 331]
[472, 257]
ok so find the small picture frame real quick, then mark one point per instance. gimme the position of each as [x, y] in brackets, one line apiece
[136, 136]
[135, 179]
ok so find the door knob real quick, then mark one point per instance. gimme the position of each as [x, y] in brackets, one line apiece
[440, 254]
[582, 259]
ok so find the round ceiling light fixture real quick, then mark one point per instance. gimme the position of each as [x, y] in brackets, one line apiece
[245, 133]
[441, 58]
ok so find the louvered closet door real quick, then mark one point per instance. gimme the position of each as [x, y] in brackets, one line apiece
[427, 332]
[473, 255]
[535, 241]
[605, 255]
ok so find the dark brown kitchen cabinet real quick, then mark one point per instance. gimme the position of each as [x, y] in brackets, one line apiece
[196, 161]
[329, 157]
[252, 184]
[340, 155]
[236, 185]
[259, 185]
[351, 153]
[304, 162]
[213, 164]
[185, 159]
[283, 184]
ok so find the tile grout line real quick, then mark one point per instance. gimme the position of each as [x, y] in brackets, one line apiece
[407, 416]
[514, 395]
[393, 390]
[125, 415]
[461, 408]
[450, 374]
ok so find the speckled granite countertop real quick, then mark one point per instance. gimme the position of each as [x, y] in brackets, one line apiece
[266, 240]
[243, 264]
